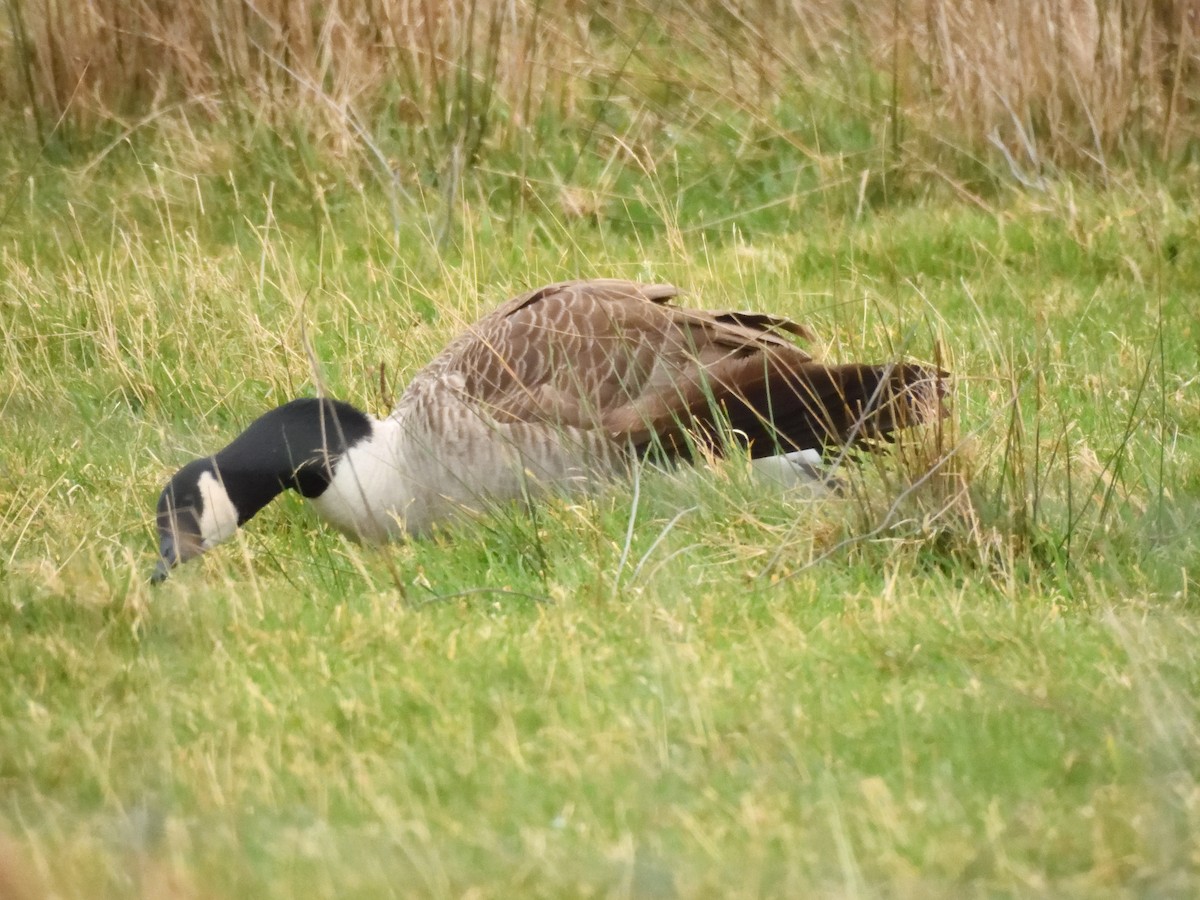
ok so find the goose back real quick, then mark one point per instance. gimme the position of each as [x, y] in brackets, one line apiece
[617, 361]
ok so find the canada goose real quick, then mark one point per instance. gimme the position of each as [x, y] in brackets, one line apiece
[556, 388]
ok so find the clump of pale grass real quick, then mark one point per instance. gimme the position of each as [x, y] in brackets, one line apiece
[1015, 490]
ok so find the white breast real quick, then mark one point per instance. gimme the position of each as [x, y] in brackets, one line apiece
[437, 456]
[370, 496]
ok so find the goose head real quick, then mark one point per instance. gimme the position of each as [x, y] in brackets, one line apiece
[294, 447]
[195, 513]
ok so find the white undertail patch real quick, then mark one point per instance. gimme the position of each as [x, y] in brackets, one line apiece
[788, 470]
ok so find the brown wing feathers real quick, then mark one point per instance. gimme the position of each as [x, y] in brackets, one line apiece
[618, 356]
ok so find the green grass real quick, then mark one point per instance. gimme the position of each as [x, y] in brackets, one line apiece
[987, 688]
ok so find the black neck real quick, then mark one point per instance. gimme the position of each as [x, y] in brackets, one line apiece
[295, 446]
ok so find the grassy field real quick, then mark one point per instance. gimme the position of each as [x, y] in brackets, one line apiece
[976, 675]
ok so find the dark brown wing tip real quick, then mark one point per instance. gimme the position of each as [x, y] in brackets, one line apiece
[926, 389]
[764, 322]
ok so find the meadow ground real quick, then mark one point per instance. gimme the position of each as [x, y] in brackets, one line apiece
[976, 674]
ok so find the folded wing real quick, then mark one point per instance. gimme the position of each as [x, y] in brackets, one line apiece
[618, 357]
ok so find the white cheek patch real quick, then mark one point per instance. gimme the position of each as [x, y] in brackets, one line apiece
[219, 517]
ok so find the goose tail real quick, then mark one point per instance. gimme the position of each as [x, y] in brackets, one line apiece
[815, 406]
